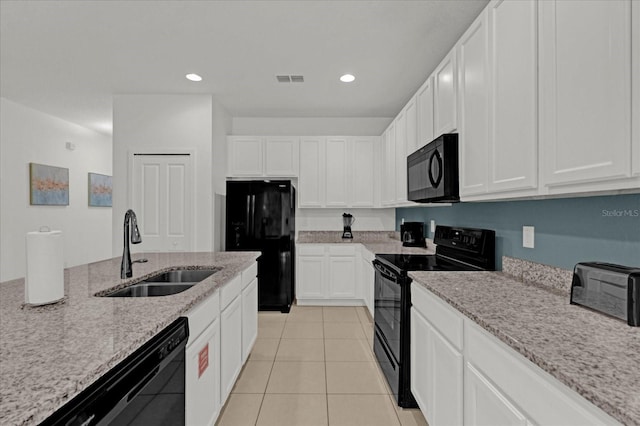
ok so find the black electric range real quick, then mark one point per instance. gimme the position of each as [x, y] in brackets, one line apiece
[458, 249]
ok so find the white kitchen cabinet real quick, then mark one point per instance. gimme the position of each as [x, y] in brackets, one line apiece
[513, 50]
[367, 279]
[635, 84]
[256, 156]
[389, 166]
[474, 90]
[249, 310]
[585, 90]
[281, 156]
[436, 359]
[363, 172]
[312, 171]
[202, 378]
[445, 95]
[327, 274]
[401, 158]
[244, 156]
[230, 345]
[411, 113]
[424, 103]
[336, 175]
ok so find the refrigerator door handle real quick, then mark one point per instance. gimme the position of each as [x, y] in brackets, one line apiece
[253, 214]
[248, 222]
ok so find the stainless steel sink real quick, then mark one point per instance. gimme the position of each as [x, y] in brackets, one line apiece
[164, 284]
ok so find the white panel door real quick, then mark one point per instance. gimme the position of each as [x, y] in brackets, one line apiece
[245, 156]
[484, 405]
[421, 362]
[162, 198]
[310, 281]
[446, 381]
[585, 65]
[249, 318]
[342, 277]
[445, 95]
[424, 102]
[411, 112]
[389, 164]
[514, 113]
[281, 156]
[362, 187]
[230, 347]
[336, 172]
[474, 88]
[635, 84]
[311, 182]
[401, 158]
[202, 377]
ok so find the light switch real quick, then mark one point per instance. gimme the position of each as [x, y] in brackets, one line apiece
[528, 236]
[432, 225]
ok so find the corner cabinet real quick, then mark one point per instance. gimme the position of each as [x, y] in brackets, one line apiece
[461, 374]
[585, 93]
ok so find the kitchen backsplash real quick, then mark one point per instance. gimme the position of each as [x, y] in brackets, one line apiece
[567, 230]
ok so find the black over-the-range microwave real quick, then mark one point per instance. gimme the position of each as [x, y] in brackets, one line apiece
[432, 171]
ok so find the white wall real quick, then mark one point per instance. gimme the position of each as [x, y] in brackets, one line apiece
[160, 123]
[331, 219]
[222, 123]
[311, 126]
[26, 136]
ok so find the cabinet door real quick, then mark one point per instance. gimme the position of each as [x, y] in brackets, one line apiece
[202, 378]
[311, 277]
[369, 276]
[473, 69]
[249, 318]
[281, 156]
[444, 95]
[446, 383]
[585, 90]
[513, 144]
[312, 172]
[342, 277]
[230, 347]
[420, 362]
[389, 163]
[245, 156]
[362, 181]
[401, 158]
[411, 112]
[425, 114]
[336, 172]
[635, 44]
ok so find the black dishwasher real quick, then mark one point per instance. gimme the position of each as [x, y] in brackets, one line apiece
[147, 388]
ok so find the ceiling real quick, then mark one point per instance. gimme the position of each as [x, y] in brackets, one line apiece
[67, 58]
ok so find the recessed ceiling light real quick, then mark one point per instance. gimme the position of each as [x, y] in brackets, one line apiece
[193, 77]
[347, 78]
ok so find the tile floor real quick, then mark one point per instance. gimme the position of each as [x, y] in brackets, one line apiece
[314, 366]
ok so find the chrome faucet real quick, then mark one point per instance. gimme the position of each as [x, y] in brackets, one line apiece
[125, 266]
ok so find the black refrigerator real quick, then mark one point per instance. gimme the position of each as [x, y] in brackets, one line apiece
[260, 216]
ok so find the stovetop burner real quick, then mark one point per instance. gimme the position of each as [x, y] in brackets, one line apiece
[423, 262]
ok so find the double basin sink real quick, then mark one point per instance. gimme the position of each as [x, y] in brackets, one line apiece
[164, 284]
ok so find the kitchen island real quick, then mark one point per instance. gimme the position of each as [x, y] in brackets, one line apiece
[50, 354]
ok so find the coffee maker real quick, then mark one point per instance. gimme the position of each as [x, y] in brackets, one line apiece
[412, 234]
[347, 221]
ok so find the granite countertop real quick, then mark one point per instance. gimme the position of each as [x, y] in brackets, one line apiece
[377, 242]
[50, 354]
[591, 353]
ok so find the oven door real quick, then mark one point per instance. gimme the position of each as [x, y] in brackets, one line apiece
[388, 308]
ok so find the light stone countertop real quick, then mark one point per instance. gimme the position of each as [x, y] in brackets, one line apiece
[591, 353]
[377, 242]
[50, 354]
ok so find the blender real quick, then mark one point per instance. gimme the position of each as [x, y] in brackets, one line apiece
[347, 221]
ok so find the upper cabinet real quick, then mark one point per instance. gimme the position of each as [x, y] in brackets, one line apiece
[336, 174]
[635, 84]
[585, 93]
[363, 172]
[411, 113]
[424, 106]
[445, 95]
[389, 166]
[251, 156]
[312, 170]
[401, 158]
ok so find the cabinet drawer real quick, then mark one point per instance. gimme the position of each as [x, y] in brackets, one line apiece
[342, 250]
[203, 314]
[230, 291]
[249, 275]
[310, 249]
[445, 319]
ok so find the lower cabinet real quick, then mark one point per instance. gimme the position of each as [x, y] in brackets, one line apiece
[328, 274]
[230, 346]
[367, 278]
[461, 374]
[249, 318]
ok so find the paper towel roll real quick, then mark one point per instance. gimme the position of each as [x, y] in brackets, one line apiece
[45, 268]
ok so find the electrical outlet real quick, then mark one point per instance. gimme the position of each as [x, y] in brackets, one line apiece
[432, 225]
[528, 236]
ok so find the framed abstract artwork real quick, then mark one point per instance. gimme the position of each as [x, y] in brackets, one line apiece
[100, 190]
[48, 185]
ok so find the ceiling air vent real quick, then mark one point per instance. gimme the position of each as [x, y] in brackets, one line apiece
[290, 78]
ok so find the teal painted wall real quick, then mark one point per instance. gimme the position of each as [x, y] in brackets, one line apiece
[567, 230]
